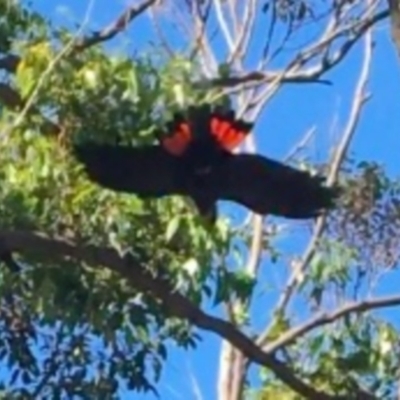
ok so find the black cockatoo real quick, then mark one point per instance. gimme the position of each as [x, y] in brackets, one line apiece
[194, 158]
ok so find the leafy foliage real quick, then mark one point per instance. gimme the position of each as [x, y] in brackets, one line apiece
[80, 330]
[72, 329]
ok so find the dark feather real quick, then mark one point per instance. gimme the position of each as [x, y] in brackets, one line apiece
[269, 187]
[145, 171]
[206, 206]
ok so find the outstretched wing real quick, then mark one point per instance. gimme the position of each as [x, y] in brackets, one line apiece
[146, 171]
[222, 126]
[269, 187]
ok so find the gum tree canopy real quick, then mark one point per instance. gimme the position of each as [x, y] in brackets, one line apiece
[99, 288]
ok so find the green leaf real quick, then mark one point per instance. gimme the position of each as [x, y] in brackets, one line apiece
[172, 228]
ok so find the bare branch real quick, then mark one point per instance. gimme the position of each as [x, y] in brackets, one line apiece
[10, 62]
[161, 37]
[13, 100]
[295, 72]
[238, 375]
[109, 32]
[233, 364]
[301, 144]
[270, 34]
[394, 7]
[359, 99]
[256, 246]
[58, 248]
[244, 31]
[29, 102]
[257, 77]
[226, 363]
[324, 318]
[223, 24]
[201, 40]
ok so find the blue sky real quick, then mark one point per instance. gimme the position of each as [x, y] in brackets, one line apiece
[283, 123]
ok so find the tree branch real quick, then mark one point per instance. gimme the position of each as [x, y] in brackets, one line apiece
[13, 100]
[324, 318]
[114, 28]
[394, 8]
[11, 61]
[175, 304]
[359, 100]
[259, 77]
[294, 73]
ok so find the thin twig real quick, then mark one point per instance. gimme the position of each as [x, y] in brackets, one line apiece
[321, 319]
[301, 144]
[359, 100]
[394, 7]
[244, 31]
[294, 71]
[32, 98]
[223, 24]
[117, 26]
[77, 44]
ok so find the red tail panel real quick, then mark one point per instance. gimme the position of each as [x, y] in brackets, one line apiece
[179, 141]
[225, 130]
[227, 133]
